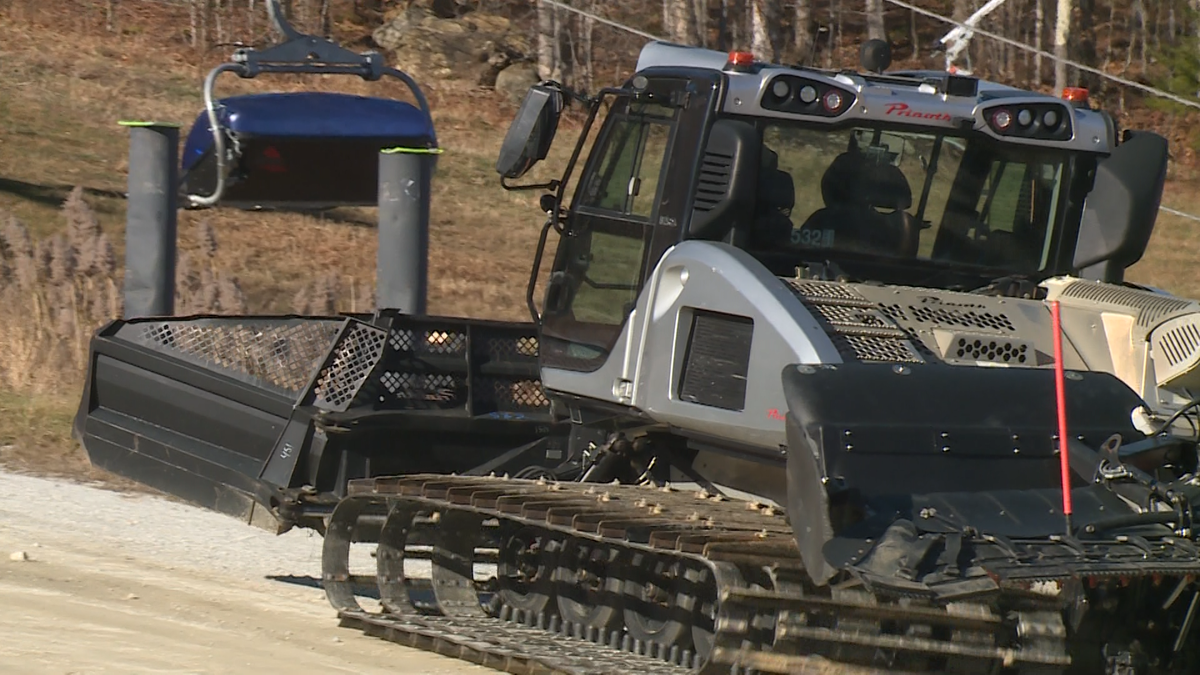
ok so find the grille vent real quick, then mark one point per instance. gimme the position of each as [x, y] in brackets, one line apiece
[714, 179]
[1151, 307]
[718, 361]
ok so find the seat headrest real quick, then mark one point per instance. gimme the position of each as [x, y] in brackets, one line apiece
[853, 178]
[776, 190]
[768, 160]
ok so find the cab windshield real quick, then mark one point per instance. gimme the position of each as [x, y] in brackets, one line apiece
[961, 200]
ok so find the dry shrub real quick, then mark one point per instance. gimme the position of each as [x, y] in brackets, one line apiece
[328, 294]
[200, 286]
[56, 291]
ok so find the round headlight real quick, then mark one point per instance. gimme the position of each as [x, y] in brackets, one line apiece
[1024, 118]
[1002, 120]
[1050, 119]
[833, 100]
[808, 93]
[780, 88]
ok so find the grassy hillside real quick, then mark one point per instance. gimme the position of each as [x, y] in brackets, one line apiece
[63, 87]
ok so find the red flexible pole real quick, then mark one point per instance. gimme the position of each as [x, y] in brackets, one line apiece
[1061, 396]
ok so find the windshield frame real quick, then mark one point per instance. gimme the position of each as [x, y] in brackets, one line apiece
[1061, 222]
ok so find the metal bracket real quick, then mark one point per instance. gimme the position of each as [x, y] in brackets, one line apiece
[298, 54]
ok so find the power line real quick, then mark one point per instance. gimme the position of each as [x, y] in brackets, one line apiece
[1181, 214]
[600, 19]
[1041, 52]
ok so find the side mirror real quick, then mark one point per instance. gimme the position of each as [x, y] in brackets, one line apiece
[1119, 213]
[531, 133]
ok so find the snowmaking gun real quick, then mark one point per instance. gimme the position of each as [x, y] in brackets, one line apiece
[817, 355]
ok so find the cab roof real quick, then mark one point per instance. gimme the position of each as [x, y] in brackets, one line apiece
[920, 98]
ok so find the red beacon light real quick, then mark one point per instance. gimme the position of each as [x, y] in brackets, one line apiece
[740, 61]
[1078, 96]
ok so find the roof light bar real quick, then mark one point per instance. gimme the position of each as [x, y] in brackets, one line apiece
[1076, 95]
[741, 62]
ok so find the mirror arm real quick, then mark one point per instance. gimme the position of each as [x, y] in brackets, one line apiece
[551, 185]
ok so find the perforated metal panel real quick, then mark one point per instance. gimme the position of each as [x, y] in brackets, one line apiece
[860, 329]
[486, 368]
[876, 349]
[959, 318]
[355, 357]
[976, 348]
[279, 355]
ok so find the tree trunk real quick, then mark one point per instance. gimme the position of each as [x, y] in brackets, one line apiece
[681, 17]
[962, 12]
[802, 31]
[912, 32]
[1062, 31]
[583, 53]
[110, 16]
[725, 28]
[194, 20]
[218, 20]
[875, 29]
[1039, 31]
[547, 43]
[700, 11]
[760, 36]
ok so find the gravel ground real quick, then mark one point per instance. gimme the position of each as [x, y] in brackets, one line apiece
[95, 581]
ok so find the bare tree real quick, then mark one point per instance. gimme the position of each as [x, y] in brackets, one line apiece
[875, 29]
[765, 36]
[1039, 31]
[583, 52]
[110, 16]
[549, 33]
[194, 20]
[679, 20]
[1062, 31]
[802, 29]
[962, 11]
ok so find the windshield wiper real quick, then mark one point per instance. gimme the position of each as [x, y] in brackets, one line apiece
[1011, 286]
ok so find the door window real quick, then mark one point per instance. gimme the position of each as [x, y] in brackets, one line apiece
[602, 255]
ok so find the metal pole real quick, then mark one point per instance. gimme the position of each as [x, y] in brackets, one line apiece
[402, 263]
[150, 219]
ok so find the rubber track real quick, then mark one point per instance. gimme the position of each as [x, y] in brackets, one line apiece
[506, 646]
[764, 624]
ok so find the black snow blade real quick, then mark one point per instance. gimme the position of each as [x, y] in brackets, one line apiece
[265, 418]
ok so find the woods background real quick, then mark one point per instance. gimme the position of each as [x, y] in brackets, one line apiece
[1153, 42]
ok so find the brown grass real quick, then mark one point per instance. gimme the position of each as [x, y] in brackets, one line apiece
[63, 160]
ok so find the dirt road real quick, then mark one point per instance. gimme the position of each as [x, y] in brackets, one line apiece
[93, 581]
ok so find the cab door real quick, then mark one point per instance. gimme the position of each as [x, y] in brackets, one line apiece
[626, 212]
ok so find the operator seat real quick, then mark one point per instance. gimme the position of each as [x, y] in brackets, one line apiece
[853, 188]
[772, 225]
